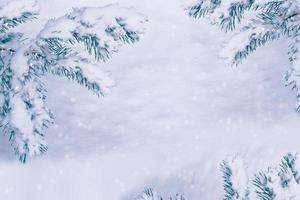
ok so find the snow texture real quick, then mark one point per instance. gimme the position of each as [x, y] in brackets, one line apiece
[175, 113]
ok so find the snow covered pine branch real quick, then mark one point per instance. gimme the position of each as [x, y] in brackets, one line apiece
[255, 23]
[70, 46]
[281, 182]
[150, 194]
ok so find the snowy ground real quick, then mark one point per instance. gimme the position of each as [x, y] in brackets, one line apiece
[176, 111]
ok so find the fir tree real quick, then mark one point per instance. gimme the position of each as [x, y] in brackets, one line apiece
[70, 46]
[256, 23]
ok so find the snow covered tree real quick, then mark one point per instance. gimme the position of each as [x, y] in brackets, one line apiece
[255, 23]
[150, 194]
[70, 46]
[275, 183]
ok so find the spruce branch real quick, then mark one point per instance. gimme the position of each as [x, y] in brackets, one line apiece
[254, 24]
[150, 194]
[72, 47]
[279, 182]
[7, 23]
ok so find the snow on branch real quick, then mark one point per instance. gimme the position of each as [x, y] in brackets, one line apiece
[150, 194]
[235, 179]
[280, 182]
[255, 23]
[17, 12]
[70, 46]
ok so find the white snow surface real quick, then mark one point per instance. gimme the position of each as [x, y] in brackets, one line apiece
[176, 112]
